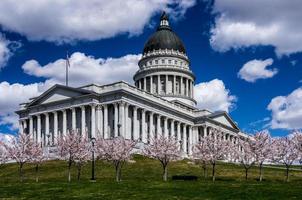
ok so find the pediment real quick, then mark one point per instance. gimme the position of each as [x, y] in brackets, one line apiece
[225, 119]
[58, 93]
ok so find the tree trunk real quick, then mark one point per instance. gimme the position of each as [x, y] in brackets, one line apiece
[213, 171]
[165, 174]
[204, 172]
[246, 173]
[79, 171]
[21, 172]
[261, 173]
[69, 175]
[117, 172]
[37, 173]
[287, 173]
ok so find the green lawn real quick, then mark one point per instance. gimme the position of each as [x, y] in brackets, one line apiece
[142, 180]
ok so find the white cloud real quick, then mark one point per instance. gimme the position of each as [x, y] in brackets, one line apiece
[287, 111]
[6, 49]
[70, 20]
[258, 22]
[6, 138]
[11, 96]
[84, 70]
[257, 69]
[214, 96]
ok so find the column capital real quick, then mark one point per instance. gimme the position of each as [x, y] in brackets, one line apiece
[93, 105]
[99, 107]
[122, 103]
[135, 108]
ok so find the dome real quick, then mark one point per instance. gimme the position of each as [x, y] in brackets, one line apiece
[164, 38]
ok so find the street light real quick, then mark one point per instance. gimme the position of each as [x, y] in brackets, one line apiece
[93, 161]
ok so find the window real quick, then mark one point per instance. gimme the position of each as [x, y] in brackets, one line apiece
[175, 62]
[156, 62]
[150, 62]
[169, 61]
[163, 61]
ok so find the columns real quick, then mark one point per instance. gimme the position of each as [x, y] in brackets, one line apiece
[178, 137]
[166, 84]
[184, 139]
[151, 84]
[135, 132]
[31, 127]
[93, 121]
[38, 129]
[158, 126]
[181, 86]
[46, 128]
[151, 129]
[64, 122]
[21, 129]
[172, 129]
[99, 121]
[166, 127]
[121, 119]
[127, 133]
[174, 84]
[158, 84]
[106, 135]
[115, 119]
[139, 84]
[144, 133]
[145, 83]
[187, 87]
[190, 140]
[83, 120]
[55, 126]
[73, 119]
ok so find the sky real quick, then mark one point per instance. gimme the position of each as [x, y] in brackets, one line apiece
[246, 55]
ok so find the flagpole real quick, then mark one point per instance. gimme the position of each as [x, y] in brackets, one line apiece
[67, 61]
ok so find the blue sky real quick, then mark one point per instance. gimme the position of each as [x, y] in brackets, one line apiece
[221, 38]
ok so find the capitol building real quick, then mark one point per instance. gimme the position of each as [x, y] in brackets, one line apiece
[161, 102]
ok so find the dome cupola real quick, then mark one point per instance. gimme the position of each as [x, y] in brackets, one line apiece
[164, 66]
[164, 38]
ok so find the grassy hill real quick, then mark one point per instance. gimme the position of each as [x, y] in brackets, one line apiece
[142, 180]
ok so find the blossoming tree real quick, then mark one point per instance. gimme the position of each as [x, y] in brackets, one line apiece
[164, 149]
[20, 151]
[284, 151]
[215, 148]
[261, 147]
[73, 148]
[201, 156]
[245, 156]
[115, 150]
[37, 157]
[3, 154]
[83, 154]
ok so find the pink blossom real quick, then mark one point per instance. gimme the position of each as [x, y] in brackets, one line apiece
[20, 151]
[284, 151]
[261, 147]
[74, 148]
[164, 149]
[116, 150]
[212, 148]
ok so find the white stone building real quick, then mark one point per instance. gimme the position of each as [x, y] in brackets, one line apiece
[161, 102]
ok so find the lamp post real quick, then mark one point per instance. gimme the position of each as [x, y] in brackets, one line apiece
[93, 161]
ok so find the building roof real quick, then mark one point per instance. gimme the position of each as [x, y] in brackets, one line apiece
[164, 38]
